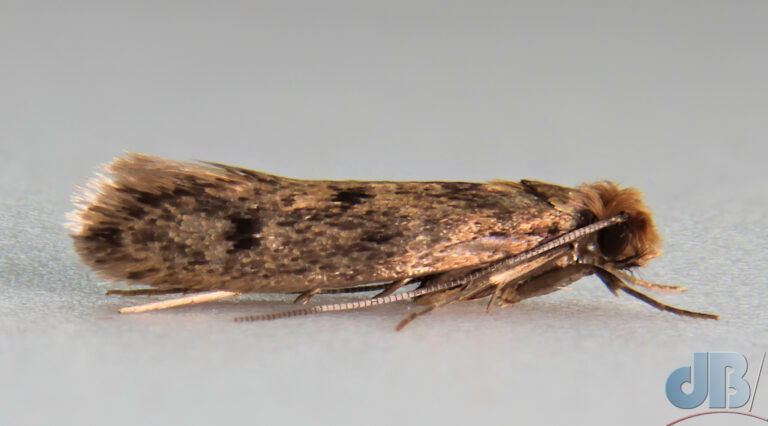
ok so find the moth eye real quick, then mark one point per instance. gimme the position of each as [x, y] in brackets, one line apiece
[613, 240]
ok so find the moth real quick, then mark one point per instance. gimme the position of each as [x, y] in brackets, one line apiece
[210, 231]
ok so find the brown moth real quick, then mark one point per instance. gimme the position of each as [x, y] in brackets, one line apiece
[214, 231]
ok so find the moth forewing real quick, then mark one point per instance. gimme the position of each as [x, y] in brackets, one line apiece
[173, 224]
[222, 230]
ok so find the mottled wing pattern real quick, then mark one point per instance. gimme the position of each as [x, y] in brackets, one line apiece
[174, 224]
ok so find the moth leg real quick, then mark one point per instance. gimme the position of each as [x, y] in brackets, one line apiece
[645, 284]
[147, 291]
[494, 296]
[505, 281]
[613, 282]
[393, 287]
[494, 282]
[194, 299]
[303, 298]
[482, 286]
[415, 315]
[483, 290]
[438, 300]
[545, 283]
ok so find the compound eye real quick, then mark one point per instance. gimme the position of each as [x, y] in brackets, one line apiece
[613, 240]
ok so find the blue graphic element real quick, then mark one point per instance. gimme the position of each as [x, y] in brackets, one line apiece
[709, 375]
[719, 382]
[681, 375]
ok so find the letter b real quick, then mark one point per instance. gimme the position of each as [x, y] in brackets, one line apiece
[719, 382]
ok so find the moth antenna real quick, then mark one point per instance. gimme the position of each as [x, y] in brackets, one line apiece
[361, 304]
[349, 306]
[385, 290]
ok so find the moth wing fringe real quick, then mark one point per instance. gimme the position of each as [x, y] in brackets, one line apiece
[194, 299]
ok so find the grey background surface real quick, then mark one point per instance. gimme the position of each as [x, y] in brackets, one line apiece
[671, 97]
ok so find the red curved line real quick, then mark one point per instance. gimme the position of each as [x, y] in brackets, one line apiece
[718, 412]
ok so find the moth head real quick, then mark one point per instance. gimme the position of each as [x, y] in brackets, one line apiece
[627, 244]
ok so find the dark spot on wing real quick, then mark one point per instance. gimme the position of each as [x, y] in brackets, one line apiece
[152, 200]
[377, 237]
[134, 211]
[140, 274]
[346, 225]
[197, 261]
[196, 257]
[136, 275]
[180, 192]
[351, 197]
[458, 187]
[144, 235]
[107, 234]
[466, 194]
[360, 247]
[156, 199]
[244, 234]
[287, 222]
[288, 200]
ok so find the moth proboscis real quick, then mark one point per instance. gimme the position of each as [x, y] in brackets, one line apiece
[213, 231]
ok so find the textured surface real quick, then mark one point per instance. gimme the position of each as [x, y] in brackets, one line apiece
[174, 224]
[668, 97]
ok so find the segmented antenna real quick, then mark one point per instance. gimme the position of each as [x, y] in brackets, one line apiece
[500, 264]
[360, 304]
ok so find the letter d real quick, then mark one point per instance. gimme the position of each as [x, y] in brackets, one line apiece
[681, 375]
